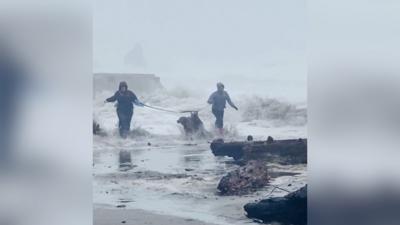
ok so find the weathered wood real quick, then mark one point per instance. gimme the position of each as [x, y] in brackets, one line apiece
[290, 209]
[291, 151]
[231, 149]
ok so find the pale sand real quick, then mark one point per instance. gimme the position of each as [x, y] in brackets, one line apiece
[138, 217]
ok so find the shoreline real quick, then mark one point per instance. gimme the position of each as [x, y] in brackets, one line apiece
[109, 216]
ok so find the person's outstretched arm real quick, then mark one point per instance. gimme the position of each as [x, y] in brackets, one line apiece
[228, 99]
[112, 98]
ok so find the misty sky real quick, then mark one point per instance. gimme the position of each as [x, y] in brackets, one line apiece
[184, 39]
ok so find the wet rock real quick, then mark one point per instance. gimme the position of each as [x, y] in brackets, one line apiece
[290, 209]
[291, 151]
[270, 140]
[246, 179]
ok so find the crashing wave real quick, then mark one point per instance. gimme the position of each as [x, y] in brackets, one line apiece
[278, 112]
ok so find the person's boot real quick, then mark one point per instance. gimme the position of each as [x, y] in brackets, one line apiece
[123, 133]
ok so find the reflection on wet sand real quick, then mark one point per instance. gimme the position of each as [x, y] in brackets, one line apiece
[176, 178]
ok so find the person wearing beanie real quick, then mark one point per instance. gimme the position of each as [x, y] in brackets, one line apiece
[125, 100]
[218, 101]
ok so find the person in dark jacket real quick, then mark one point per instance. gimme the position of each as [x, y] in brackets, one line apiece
[218, 100]
[125, 100]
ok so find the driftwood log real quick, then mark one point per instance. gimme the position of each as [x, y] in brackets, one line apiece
[290, 209]
[291, 151]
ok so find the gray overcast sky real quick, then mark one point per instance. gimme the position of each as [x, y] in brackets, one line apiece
[197, 37]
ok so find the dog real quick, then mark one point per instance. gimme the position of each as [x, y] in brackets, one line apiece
[193, 125]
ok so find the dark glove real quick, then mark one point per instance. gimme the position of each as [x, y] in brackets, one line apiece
[139, 103]
[236, 108]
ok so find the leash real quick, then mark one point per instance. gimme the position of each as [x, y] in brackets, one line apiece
[172, 111]
[160, 109]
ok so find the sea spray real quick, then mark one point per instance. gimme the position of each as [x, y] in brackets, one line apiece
[270, 109]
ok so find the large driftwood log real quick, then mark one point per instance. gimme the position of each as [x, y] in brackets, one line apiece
[290, 209]
[291, 151]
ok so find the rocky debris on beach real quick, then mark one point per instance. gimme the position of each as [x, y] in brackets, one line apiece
[290, 151]
[245, 179]
[290, 209]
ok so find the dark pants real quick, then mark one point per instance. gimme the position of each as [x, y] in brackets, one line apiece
[125, 117]
[219, 118]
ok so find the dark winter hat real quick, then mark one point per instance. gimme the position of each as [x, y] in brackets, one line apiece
[219, 84]
[123, 84]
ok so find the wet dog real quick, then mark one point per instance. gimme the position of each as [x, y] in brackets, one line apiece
[193, 125]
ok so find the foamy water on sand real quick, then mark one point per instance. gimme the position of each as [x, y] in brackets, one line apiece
[175, 176]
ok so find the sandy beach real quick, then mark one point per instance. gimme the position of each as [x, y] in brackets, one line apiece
[138, 217]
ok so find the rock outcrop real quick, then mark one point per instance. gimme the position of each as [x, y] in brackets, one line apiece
[246, 179]
[290, 209]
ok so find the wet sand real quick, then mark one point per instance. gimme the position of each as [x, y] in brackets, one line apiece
[138, 217]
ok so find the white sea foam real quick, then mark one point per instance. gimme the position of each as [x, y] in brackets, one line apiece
[160, 152]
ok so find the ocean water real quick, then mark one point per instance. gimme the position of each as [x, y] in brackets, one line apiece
[174, 175]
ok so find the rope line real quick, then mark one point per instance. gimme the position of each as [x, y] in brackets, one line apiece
[172, 111]
[161, 109]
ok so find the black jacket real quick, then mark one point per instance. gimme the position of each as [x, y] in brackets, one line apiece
[125, 100]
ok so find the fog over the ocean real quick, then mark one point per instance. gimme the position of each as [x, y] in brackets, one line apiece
[254, 48]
